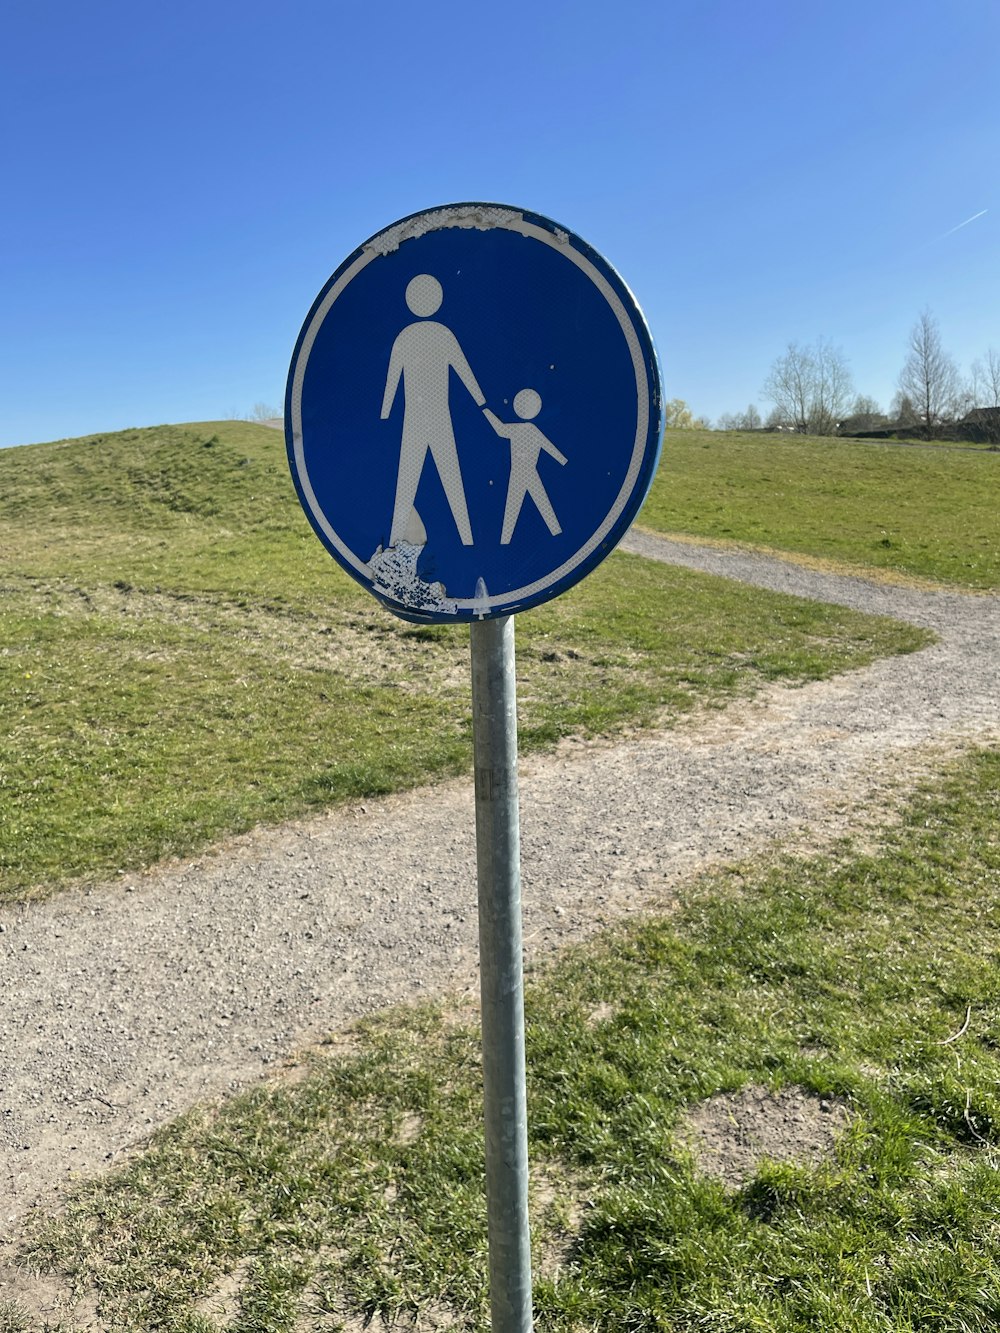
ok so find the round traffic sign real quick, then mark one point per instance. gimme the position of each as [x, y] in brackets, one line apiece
[473, 413]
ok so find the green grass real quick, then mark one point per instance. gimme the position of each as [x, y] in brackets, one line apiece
[920, 511]
[180, 659]
[872, 977]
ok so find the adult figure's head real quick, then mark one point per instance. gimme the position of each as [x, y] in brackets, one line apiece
[424, 295]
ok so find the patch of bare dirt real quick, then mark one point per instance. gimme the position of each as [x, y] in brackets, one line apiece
[733, 1133]
[46, 1300]
[222, 1303]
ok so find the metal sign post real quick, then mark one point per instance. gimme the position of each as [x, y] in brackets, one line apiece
[473, 418]
[498, 858]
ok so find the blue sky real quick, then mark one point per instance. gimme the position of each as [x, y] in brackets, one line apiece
[180, 179]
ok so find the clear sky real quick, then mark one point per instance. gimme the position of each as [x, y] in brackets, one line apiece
[180, 179]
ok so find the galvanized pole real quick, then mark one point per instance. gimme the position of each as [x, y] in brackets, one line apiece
[498, 855]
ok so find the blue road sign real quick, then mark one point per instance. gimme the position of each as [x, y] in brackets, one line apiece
[473, 413]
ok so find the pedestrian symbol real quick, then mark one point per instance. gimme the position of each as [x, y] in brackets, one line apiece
[473, 412]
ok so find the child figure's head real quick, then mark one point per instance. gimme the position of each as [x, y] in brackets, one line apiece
[527, 404]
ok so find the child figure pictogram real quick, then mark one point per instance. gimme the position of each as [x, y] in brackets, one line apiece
[526, 444]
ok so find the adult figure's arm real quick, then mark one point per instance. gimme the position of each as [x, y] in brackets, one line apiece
[392, 378]
[464, 372]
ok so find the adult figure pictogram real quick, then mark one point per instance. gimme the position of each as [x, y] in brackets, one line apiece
[423, 355]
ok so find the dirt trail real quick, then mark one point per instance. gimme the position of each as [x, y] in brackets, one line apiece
[125, 1004]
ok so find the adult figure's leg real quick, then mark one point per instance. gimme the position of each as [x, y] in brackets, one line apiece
[411, 464]
[446, 457]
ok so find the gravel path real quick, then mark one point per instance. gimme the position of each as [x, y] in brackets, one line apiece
[125, 1004]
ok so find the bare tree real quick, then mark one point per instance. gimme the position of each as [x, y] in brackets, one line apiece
[929, 376]
[983, 418]
[903, 410]
[865, 415]
[265, 412]
[788, 387]
[810, 388]
[992, 377]
[966, 396]
[986, 380]
[832, 390]
[749, 419]
[865, 405]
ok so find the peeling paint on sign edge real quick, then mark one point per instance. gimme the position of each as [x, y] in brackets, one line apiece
[482, 219]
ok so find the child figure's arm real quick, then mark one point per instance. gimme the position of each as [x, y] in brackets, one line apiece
[550, 448]
[499, 426]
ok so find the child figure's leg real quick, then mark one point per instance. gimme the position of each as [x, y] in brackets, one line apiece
[522, 484]
[515, 498]
[538, 493]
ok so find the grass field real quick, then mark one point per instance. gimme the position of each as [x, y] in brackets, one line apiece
[865, 984]
[180, 659]
[933, 513]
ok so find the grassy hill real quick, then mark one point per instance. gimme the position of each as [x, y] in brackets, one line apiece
[180, 659]
[197, 508]
[925, 511]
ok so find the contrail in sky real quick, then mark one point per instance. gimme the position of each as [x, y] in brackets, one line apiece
[966, 222]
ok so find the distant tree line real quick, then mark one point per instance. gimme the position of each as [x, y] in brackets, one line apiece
[678, 416]
[811, 391]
